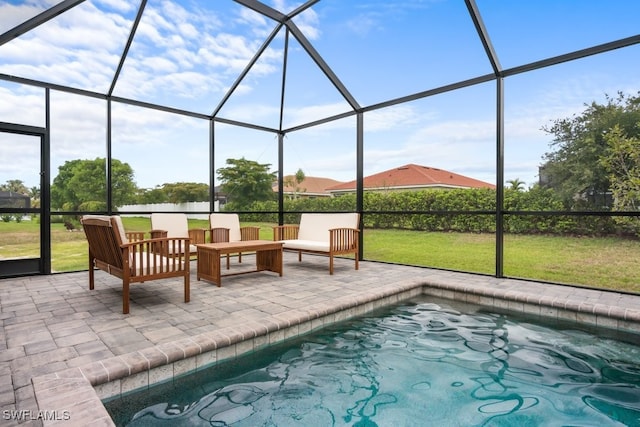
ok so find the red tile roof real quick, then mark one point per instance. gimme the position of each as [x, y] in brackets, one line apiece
[310, 186]
[413, 177]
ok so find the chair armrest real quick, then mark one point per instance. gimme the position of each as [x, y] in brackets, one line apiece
[249, 233]
[286, 232]
[219, 235]
[341, 239]
[197, 235]
[157, 234]
[134, 236]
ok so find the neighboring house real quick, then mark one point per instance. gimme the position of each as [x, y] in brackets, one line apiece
[11, 199]
[311, 187]
[411, 178]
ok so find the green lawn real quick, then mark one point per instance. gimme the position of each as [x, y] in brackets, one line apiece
[599, 262]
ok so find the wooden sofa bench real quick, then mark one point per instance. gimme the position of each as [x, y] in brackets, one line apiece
[322, 233]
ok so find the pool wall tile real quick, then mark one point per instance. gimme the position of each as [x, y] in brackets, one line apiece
[245, 346]
[228, 352]
[604, 321]
[531, 309]
[304, 327]
[134, 382]
[571, 316]
[112, 388]
[161, 374]
[261, 341]
[276, 337]
[184, 366]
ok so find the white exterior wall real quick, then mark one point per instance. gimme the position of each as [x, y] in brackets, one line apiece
[173, 207]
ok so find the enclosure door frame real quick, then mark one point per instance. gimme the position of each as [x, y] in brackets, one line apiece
[41, 264]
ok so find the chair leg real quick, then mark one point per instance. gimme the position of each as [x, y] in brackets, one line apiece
[227, 261]
[239, 257]
[187, 289]
[330, 263]
[125, 297]
[91, 276]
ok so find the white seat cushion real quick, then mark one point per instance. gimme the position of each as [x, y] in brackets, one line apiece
[316, 226]
[306, 245]
[175, 224]
[227, 220]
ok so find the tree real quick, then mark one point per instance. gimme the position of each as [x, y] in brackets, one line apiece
[15, 186]
[153, 195]
[294, 181]
[574, 169]
[82, 185]
[182, 192]
[246, 181]
[516, 184]
[622, 164]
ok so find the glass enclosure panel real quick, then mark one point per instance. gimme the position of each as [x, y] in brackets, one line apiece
[326, 157]
[246, 164]
[386, 239]
[20, 171]
[14, 13]
[309, 94]
[80, 47]
[580, 250]
[383, 50]
[166, 156]
[188, 56]
[19, 192]
[20, 236]
[21, 104]
[78, 153]
[441, 143]
[524, 32]
[69, 248]
[258, 97]
[556, 124]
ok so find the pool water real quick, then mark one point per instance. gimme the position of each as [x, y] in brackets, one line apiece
[418, 363]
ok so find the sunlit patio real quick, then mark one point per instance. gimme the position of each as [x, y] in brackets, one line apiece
[60, 338]
[175, 90]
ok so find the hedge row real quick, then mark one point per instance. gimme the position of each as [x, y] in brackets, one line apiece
[447, 211]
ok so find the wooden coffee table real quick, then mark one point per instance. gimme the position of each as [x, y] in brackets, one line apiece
[268, 257]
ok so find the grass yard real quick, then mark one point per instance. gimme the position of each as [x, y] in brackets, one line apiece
[607, 262]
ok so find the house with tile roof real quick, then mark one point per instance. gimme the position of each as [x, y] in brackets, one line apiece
[411, 177]
[11, 199]
[311, 187]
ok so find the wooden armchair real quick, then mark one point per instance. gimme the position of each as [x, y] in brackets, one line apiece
[132, 261]
[225, 227]
[176, 225]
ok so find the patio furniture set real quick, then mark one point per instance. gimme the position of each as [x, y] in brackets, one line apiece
[134, 259]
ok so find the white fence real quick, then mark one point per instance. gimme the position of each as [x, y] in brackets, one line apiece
[173, 207]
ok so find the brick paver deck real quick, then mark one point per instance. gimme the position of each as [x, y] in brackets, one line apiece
[60, 341]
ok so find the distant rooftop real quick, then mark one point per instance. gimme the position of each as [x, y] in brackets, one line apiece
[413, 177]
[311, 186]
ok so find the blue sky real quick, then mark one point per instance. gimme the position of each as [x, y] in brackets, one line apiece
[187, 54]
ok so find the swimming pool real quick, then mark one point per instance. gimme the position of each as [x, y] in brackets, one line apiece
[425, 361]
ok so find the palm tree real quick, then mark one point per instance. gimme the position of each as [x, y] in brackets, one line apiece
[516, 184]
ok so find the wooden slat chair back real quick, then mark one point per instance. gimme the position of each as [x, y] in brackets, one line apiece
[225, 227]
[176, 225]
[132, 261]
